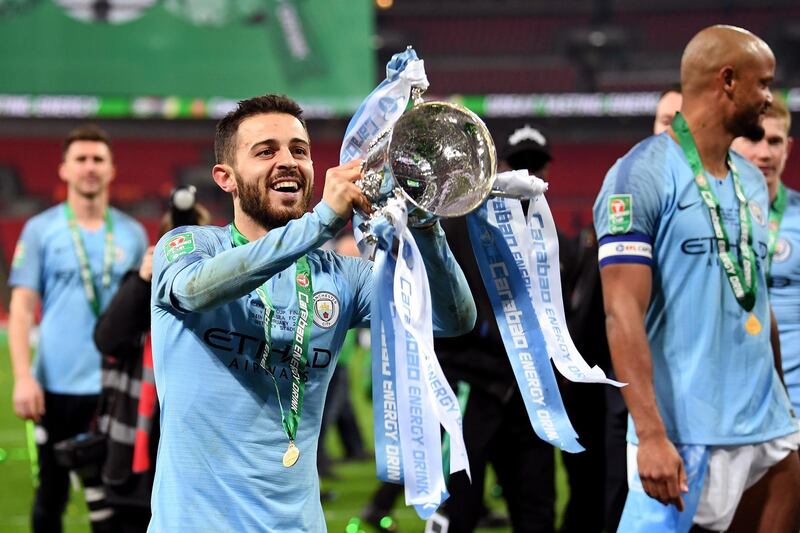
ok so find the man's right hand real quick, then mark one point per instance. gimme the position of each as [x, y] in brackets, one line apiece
[341, 193]
[28, 399]
[662, 471]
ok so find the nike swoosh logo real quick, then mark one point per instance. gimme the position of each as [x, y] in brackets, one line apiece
[681, 207]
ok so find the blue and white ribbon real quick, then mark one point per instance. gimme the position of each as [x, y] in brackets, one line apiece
[378, 113]
[540, 249]
[431, 401]
[384, 105]
[412, 398]
[388, 454]
[492, 235]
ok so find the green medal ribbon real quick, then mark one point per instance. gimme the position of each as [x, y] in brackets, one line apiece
[87, 278]
[742, 273]
[776, 209]
[301, 337]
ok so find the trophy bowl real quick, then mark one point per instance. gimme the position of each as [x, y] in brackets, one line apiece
[439, 157]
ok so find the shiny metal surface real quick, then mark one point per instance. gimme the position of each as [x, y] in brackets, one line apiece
[439, 156]
[443, 158]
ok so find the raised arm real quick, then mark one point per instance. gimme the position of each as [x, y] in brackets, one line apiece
[454, 311]
[201, 280]
[626, 295]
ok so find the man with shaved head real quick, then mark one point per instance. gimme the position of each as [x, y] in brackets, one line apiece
[683, 256]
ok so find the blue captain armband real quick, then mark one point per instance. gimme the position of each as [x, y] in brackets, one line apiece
[634, 248]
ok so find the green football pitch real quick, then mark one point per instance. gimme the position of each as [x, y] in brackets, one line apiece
[348, 493]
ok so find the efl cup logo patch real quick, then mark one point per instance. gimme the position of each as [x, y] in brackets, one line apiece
[755, 210]
[782, 251]
[326, 309]
[302, 280]
[19, 255]
[620, 213]
[180, 244]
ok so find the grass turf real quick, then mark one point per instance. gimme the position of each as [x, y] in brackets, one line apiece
[352, 488]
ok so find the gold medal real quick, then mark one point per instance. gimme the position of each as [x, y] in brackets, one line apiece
[291, 455]
[752, 326]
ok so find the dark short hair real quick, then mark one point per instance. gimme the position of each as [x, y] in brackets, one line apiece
[87, 132]
[225, 139]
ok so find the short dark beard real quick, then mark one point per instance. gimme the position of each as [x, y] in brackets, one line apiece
[260, 210]
[748, 125]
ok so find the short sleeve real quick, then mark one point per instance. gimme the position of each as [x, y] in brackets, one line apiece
[629, 206]
[26, 265]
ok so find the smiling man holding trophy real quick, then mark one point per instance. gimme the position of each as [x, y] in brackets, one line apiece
[240, 315]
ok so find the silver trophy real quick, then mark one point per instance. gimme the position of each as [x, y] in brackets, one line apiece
[438, 157]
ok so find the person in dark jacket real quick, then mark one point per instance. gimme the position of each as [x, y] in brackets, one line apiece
[128, 412]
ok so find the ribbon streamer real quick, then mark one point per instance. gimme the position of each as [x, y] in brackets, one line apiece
[522, 335]
[378, 113]
[411, 395]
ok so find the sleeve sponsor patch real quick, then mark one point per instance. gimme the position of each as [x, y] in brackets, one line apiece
[178, 245]
[620, 213]
[19, 255]
[630, 248]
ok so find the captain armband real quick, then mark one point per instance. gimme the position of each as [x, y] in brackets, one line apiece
[629, 248]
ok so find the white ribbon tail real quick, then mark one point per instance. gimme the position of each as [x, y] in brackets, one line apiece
[541, 242]
[518, 184]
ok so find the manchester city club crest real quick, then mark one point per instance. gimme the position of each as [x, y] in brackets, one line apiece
[326, 310]
[782, 251]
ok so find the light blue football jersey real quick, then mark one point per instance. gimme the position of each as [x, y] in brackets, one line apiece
[715, 384]
[222, 441]
[67, 361]
[784, 293]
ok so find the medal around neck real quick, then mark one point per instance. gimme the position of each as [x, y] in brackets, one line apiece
[438, 157]
[291, 455]
[752, 326]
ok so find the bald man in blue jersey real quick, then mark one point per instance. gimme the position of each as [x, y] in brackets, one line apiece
[682, 222]
[770, 154]
[248, 321]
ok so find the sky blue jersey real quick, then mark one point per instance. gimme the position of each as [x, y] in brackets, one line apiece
[715, 384]
[784, 293]
[45, 260]
[222, 441]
